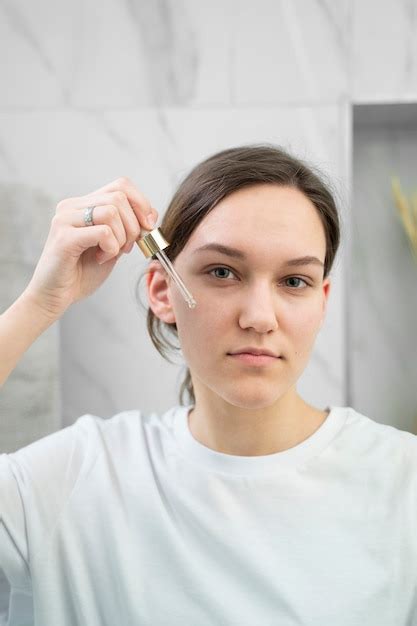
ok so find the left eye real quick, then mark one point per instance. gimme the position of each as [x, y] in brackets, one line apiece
[226, 269]
[297, 278]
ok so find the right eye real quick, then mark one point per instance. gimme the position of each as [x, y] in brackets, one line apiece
[220, 267]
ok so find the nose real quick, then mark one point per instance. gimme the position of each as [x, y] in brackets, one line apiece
[258, 310]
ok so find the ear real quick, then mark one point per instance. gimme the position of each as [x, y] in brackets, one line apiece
[157, 281]
[326, 291]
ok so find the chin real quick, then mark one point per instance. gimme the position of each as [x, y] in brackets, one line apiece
[251, 401]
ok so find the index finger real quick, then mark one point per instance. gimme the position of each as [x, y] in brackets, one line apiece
[137, 200]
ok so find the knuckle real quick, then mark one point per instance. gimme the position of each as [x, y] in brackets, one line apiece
[112, 211]
[59, 238]
[62, 204]
[123, 181]
[119, 197]
[57, 225]
[135, 232]
[56, 229]
[57, 235]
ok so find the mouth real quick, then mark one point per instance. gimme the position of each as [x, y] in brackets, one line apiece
[255, 359]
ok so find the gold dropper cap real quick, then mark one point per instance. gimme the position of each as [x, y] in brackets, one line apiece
[153, 244]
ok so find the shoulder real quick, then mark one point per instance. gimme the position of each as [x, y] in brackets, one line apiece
[385, 440]
[126, 430]
[371, 424]
[73, 450]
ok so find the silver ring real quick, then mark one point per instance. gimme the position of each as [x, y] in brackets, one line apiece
[88, 216]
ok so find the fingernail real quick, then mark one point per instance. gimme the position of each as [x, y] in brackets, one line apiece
[151, 220]
[103, 259]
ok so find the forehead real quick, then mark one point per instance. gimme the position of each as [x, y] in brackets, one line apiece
[263, 213]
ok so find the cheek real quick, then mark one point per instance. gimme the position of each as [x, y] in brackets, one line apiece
[200, 328]
[303, 323]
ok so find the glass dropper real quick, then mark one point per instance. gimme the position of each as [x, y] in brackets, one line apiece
[152, 244]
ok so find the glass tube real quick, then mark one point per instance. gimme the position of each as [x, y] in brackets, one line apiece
[166, 263]
[152, 244]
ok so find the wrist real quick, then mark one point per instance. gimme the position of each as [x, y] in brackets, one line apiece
[31, 302]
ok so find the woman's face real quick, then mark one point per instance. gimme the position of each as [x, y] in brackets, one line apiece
[258, 300]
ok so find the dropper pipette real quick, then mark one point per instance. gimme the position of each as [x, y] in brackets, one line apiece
[152, 244]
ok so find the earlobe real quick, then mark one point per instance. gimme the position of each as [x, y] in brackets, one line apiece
[159, 293]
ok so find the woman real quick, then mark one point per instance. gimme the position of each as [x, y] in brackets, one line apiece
[245, 505]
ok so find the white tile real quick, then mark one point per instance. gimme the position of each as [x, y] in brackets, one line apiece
[384, 51]
[290, 52]
[114, 55]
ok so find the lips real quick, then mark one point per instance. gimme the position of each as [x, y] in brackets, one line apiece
[255, 360]
[255, 351]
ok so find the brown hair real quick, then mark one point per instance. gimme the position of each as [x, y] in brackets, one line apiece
[212, 180]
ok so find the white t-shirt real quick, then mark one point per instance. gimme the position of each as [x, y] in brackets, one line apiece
[131, 521]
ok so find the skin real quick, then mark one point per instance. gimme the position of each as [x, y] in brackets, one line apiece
[241, 409]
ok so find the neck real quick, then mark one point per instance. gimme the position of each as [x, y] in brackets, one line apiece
[245, 432]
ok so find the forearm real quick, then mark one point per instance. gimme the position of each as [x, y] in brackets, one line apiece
[20, 325]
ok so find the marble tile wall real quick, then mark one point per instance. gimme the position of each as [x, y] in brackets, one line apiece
[92, 92]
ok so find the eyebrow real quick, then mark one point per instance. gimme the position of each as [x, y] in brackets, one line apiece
[238, 254]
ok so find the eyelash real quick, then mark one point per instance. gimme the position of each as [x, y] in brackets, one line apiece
[222, 267]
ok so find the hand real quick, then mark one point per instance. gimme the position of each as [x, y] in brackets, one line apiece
[68, 269]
